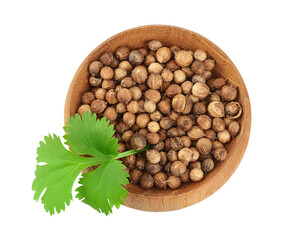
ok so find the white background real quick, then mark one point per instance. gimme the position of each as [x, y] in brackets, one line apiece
[42, 43]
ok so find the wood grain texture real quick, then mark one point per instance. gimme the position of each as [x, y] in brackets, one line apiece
[191, 193]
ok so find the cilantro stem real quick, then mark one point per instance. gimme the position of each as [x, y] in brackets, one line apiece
[131, 152]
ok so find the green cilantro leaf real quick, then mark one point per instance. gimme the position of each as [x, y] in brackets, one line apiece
[59, 173]
[89, 136]
[102, 189]
[58, 168]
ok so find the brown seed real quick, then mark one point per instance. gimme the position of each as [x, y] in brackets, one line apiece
[126, 136]
[114, 63]
[135, 176]
[163, 159]
[160, 180]
[234, 128]
[186, 141]
[172, 155]
[209, 64]
[204, 146]
[172, 66]
[166, 123]
[139, 74]
[207, 165]
[126, 65]
[121, 127]
[196, 164]
[195, 133]
[183, 58]
[122, 53]
[159, 146]
[198, 78]
[149, 106]
[152, 168]
[184, 123]
[200, 55]
[129, 161]
[218, 83]
[162, 134]
[124, 95]
[138, 141]
[213, 97]
[188, 71]
[172, 132]
[220, 154]
[88, 98]
[154, 45]
[155, 68]
[136, 93]
[153, 156]
[228, 93]
[196, 174]
[185, 155]
[108, 84]
[140, 163]
[98, 106]
[119, 74]
[110, 113]
[199, 108]
[174, 182]
[224, 136]
[204, 122]
[185, 178]
[216, 144]
[153, 126]
[121, 108]
[95, 82]
[156, 116]
[154, 81]
[211, 134]
[149, 59]
[164, 106]
[233, 110]
[163, 55]
[129, 118]
[146, 181]
[218, 124]
[133, 107]
[106, 59]
[177, 143]
[121, 148]
[153, 95]
[167, 75]
[187, 87]
[107, 73]
[178, 168]
[136, 57]
[216, 109]
[198, 67]
[178, 103]
[142, 120]
[174, 49]
[179, 76]
[83, 108]
[152, 138]
[200, 90]
[173, 115]
[111, 96]
[94, 68]
[100, 93]
[173, 90]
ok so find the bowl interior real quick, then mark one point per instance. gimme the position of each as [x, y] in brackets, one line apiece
[165, 200]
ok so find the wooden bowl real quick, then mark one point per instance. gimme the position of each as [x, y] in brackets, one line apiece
[166, 200]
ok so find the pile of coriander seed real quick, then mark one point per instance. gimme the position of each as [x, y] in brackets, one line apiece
[169, 98]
